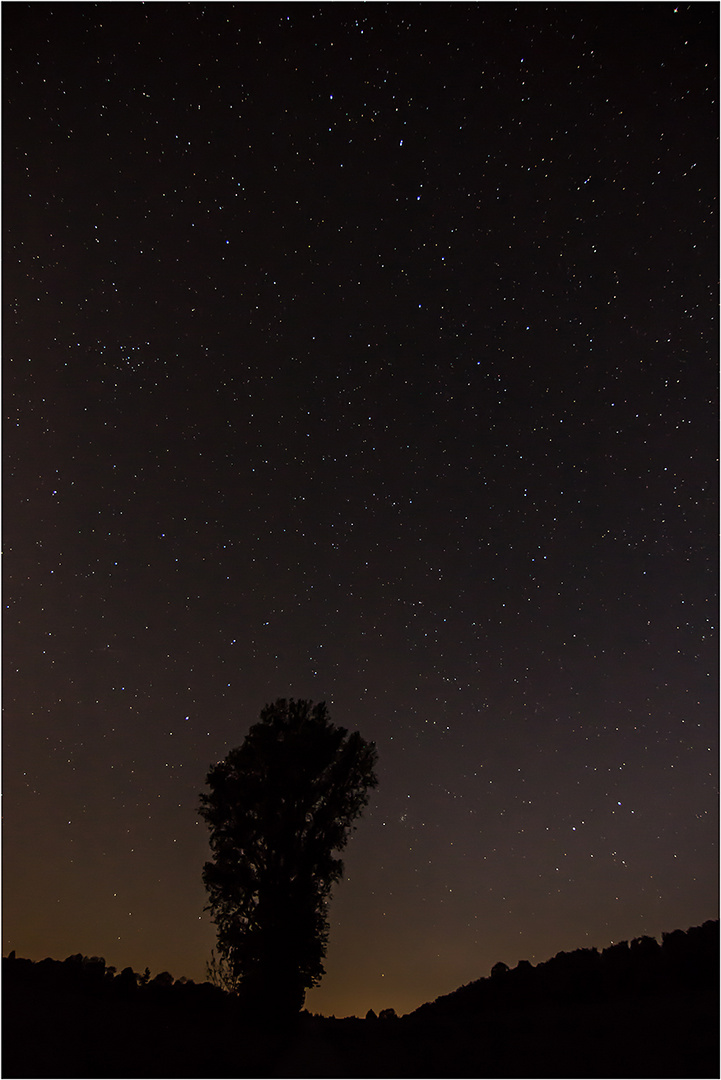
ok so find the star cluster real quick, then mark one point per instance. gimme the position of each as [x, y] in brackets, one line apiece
[364, 353]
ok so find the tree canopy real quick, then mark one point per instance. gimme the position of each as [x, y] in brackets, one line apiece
[280, 807]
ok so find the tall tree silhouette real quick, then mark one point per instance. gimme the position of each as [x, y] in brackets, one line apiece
[279, 807]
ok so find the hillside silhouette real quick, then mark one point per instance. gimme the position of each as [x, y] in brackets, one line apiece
[638, 1009]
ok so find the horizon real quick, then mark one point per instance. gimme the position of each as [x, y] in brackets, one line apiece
[539, 963]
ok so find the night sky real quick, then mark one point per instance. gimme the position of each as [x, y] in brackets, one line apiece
[364, 353]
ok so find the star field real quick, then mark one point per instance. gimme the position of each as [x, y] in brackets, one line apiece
[368, 354]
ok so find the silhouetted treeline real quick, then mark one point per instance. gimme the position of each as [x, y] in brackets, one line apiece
[638, 1009]
[685, 960]
[90, 975]
[80, 1018]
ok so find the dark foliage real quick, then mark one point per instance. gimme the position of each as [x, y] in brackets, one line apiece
[587, 976]
[280, 806]
[637, 1010]
[77, 1018]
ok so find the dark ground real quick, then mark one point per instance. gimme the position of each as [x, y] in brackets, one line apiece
[638, 1010]
[662, 1038]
